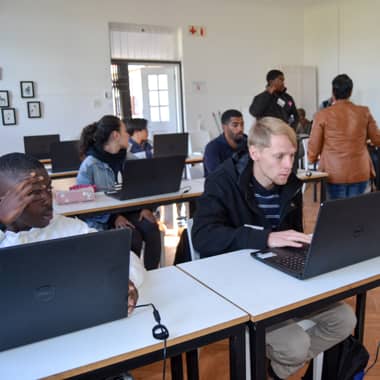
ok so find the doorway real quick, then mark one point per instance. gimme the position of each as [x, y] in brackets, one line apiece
[149, 90]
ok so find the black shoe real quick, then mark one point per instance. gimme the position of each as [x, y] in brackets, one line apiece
[272, 373]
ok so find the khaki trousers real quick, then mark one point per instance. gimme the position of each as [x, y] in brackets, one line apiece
[289, 346]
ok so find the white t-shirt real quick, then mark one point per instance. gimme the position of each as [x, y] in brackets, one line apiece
[61, 226]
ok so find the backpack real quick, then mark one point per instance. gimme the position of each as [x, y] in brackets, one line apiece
[344, 361]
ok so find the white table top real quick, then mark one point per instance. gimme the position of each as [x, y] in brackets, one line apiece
[187, 308]
[106, 203]
[263, 291]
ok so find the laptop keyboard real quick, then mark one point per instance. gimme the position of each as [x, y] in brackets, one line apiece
[292, 258]
[292, 262]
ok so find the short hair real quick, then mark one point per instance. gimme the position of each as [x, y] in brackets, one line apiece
[273, 74]
[261, 132]
[18, 164]
[135, 125]
[342, 86]
[227, 115]
[301, 111]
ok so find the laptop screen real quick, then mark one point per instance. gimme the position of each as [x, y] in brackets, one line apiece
[170, 144]
[58, 286]
[39, 146]
[64, 156]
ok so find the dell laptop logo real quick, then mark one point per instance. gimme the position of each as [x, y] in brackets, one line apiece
[45, 293]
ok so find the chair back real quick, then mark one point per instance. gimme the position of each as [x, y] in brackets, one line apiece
[193, 253]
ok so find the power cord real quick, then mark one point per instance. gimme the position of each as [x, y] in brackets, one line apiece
[376, 357]
[159, 332]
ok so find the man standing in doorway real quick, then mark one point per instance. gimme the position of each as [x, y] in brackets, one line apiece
[225, 145]
[275, 101]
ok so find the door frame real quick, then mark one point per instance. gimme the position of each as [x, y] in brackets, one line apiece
[122, 84]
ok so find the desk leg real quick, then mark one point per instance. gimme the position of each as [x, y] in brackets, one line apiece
[323, 190]
[257, 348]
[192, 365]
[176, 367]
[237, 356]
[361, 299]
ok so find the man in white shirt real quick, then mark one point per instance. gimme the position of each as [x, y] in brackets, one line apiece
[26, 212]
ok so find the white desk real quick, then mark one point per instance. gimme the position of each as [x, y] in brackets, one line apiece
[193, 314]
[104, 203]
[270, 296]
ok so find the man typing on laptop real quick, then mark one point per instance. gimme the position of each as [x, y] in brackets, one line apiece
[254, 201]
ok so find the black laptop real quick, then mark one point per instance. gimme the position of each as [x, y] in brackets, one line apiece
[58, 286]
[170, 144]
[150, 176]
[346, 232]
[39, 146]
[64, 156]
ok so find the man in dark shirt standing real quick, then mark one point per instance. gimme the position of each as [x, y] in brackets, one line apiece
[225, 145]
[275, 101]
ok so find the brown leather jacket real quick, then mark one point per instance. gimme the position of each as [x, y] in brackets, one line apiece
[339, 135]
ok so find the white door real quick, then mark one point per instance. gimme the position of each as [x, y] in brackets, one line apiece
[160, 99]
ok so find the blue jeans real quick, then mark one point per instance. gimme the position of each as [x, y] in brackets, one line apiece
[336, 191]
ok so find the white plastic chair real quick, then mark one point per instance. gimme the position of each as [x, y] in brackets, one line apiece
[193, 253]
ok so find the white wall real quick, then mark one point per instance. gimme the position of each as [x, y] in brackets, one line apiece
[342, 36]
[63, 46]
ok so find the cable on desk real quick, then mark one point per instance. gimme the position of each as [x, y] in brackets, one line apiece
[376, 357]
[159, 331]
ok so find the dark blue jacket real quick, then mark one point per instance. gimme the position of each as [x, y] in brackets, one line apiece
[138, 148]
[217, 151]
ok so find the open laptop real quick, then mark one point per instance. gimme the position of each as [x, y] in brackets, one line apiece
[170, 144]
[150, 176]
[64, 156]
[39, 146]
[346, 232]
[58, 286]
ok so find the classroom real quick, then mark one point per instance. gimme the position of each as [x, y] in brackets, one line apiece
[72, 53]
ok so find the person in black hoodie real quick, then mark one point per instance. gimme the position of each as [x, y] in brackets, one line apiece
[275, 101]
[254, 201]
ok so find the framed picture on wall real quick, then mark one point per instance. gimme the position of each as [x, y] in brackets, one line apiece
[8, 116]
[34, 110]
[4, 98]
[27, 89]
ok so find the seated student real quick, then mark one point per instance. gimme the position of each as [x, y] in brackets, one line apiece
[138, 140]
[26, 211]
[255, 201]
[225, 145]
[104, 144]
[304, 124]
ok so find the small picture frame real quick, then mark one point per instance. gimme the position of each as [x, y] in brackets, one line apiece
[27, 89]
[8, 116]
[4, 98]
[34, 110]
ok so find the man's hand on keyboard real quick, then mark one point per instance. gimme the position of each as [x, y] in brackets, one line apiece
[288, 238]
